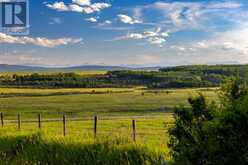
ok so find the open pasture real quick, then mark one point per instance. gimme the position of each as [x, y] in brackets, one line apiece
[116, 109]
[95, 101]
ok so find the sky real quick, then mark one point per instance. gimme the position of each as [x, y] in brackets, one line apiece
[131, 33]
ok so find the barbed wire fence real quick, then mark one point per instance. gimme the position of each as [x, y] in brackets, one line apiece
[95, 126]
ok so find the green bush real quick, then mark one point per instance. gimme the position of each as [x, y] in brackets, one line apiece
[211, 133]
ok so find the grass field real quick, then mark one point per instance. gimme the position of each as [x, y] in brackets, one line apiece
[38, 149]
[128, 103]
[99, 101]
[115, 107]
[150, 131]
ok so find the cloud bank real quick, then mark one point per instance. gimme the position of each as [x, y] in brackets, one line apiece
[80, 6]
[39, 41]
[188, 14]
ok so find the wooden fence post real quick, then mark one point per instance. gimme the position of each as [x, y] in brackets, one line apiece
[39, 121]
[2, 123]
[19, 121]
[64, 125]
[134, 130]
[95, 126]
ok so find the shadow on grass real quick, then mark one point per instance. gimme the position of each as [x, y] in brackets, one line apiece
[9, 95]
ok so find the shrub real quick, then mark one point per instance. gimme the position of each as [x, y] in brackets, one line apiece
[212, 134]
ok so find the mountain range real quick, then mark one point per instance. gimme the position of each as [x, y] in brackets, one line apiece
[23, 68]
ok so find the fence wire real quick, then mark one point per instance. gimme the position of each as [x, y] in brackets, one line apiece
[145, 128]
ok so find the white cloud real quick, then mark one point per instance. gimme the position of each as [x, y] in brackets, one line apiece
[153, 37]
[104, 24]
[182, 48]
[80, 6]
[189, 14]
[156, 40]
[60, 6]
[44, 42]
[202, 44]
[19, 59]
[135, 36]
[107, 22]
[224, 47]
[128, 20]
[87, 10]
[231, 40]
[82, 2]
[99, 6]
[91, 19]
[224, 5]
[76, 8]
[165, 34]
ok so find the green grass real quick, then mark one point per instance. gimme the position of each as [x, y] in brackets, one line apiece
[150, 130]
[37, 149]
[85, 102]
[114, 144]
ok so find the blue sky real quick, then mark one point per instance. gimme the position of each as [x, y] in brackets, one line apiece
[133, 33]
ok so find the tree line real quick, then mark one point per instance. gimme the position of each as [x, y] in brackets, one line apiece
[174, 77]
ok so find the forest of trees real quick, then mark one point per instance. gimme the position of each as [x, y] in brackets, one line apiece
[174, 77]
